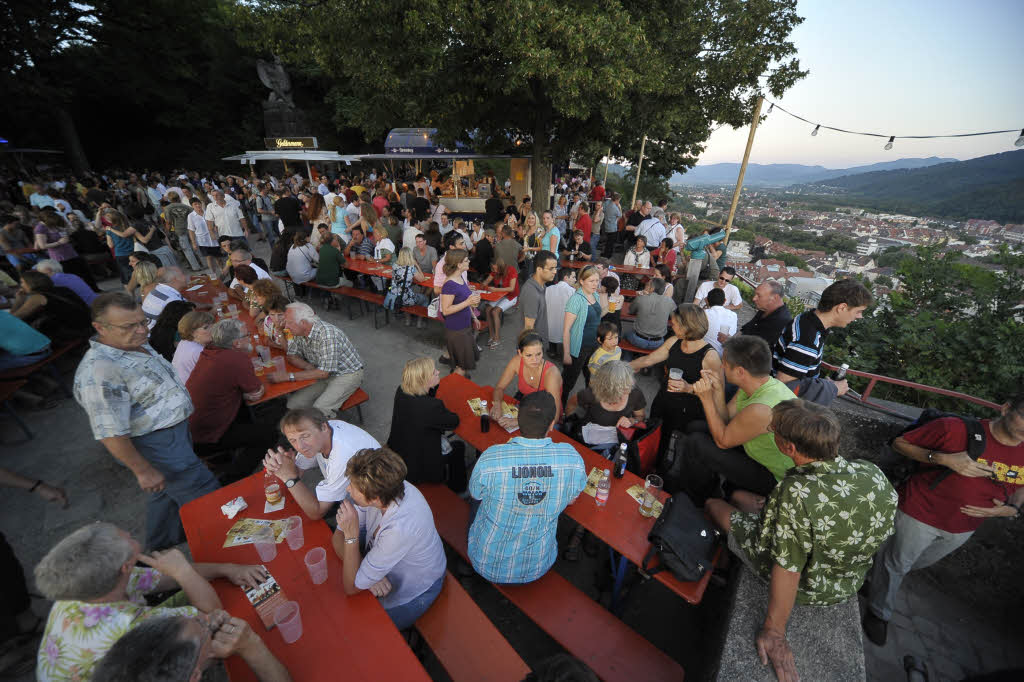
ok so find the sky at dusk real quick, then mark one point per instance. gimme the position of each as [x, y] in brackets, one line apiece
[902, 67]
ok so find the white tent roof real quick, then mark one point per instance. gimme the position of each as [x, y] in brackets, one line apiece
[292, 155]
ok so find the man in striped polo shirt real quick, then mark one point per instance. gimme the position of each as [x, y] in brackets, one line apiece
[172, 281]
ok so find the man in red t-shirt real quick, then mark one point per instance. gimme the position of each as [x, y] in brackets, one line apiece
[934, 519]
[584, 224]
[597, 193]
[221, 379]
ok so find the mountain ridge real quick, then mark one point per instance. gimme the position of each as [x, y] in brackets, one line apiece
[786, 174]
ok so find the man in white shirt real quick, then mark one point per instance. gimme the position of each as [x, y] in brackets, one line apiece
[733, 300]
[721, 321]
[172, 282]
[241, 257]
[555, 298]
[328, 444]
[352, 213]
[203, 241]
[653, 229]
[444, 225]
[225, 217]
[410, 232]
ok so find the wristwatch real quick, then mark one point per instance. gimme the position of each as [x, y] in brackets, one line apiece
[291, 482]
[291, 376]
[931, 457]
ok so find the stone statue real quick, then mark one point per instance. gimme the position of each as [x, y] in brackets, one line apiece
[280, 115]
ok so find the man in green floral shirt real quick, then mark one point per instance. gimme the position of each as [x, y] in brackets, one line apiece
[814, 536]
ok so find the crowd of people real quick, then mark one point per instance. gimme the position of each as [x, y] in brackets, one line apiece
[746, 429]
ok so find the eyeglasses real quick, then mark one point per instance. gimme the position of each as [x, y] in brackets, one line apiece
[130, 326]
[724, 279]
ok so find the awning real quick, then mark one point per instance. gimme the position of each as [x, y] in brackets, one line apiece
[309, 155]
[453, 155]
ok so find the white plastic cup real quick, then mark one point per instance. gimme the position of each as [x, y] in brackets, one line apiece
[288, 621]
[316, 563]
[295, 536]
[265, 547]
[278, 364]
[675, 374]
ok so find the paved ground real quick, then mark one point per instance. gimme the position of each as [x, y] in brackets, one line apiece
[932, 623]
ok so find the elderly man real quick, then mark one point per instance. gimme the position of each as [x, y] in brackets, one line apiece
[139, 409]
[222, 378]
[328, 444]
[99, 594]
[55, 271]
[242, 256]
[651, 227]
[179, 648]
[814, 536]
[171, 282]
[322, 352]
[772, 314]
[652, 310]
[225, 217]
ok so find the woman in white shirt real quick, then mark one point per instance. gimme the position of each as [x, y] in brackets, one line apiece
[638, 256]
[194, 330]
[302, 260]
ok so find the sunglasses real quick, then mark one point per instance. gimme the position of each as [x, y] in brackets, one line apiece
[724, 279]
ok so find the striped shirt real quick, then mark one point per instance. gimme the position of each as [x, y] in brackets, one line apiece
[327, 348]
[522, 486]
[800, 346]
[157, 300]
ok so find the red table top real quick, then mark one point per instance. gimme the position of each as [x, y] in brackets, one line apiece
[205, 295]
[618, 523]
[339, 632]
[368, 267]
[620, 269]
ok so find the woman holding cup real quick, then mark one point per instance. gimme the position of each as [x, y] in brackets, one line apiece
[685, 354]
[458, 302]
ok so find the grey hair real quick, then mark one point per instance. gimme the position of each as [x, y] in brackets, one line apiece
[84, 565]
[49, 265]
[302, 312]
[246, 253]
[611, 380]
[226, 332]
[153, 651]
[774, 285]
[170, 273]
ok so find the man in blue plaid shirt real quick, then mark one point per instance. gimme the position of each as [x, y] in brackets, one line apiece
[519, 489]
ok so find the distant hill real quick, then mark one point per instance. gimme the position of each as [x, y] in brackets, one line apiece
[786, 174]
[989, 187]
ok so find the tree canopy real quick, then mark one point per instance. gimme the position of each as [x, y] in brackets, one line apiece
[553, 79]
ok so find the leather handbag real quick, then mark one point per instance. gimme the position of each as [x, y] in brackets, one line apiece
[682, 539]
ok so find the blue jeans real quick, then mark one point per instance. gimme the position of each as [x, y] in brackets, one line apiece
[405, 615]
[270, 229]
[595, 237]
[641, 342]
[186, 478]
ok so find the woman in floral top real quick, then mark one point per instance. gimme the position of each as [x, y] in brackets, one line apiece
[99, 595]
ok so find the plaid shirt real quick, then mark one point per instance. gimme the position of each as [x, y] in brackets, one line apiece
[129, 393]
[327, 348]
[522, 486]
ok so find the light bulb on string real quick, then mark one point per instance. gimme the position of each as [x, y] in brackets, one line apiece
[888, 145]
[1020, 140]
[814, 133]
[771, 108]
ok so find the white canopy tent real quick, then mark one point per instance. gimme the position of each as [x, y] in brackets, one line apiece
[250, 158]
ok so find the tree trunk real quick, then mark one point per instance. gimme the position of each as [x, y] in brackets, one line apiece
[74, 153]
[540, 180]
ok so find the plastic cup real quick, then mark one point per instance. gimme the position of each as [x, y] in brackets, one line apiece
[266, 547]
[316, 563]
[257, 366]
[652, 485]
[288, 621]
[675, 374]
[295, 536]
[278, 364]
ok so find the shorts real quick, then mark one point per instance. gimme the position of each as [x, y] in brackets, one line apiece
[504, 303]
[211, 251]
[461, 347]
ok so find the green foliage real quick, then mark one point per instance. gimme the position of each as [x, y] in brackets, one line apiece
[743, 235]
[793, 222]
[792, 260]
[951, 325]
[893, 256]
[562, 79]
[800, 239]
[651, 187]
[884, 281]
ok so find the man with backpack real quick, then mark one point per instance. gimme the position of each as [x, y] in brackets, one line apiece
[975, 471]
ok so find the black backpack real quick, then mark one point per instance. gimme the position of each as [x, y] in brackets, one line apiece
[975, 439]
[683, 539]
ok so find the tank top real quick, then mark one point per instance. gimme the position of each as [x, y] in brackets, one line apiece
[590, 326]
[691, 364]
[763, 448]
[527, 389]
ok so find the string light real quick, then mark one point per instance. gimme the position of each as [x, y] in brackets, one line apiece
[817, 126]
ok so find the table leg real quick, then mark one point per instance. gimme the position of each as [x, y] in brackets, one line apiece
[619, 569]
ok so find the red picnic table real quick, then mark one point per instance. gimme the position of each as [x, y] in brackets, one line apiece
[370, 267]
[619, 523]
[339, 632]
[205, 294]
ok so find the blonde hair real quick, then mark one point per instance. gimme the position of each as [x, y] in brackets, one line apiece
[586, 273]
[417, 375]
[145, 273]
[611, 381]
[405, 257]
[693, 320]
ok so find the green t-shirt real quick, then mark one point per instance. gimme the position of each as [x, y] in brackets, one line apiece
[763, 449]
[328, 272]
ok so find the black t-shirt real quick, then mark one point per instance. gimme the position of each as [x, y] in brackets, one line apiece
[495, 208]
[420, 207]
[635, 219]
[768, 327]
[594, 413]
[287, 209]
[96, 196]
[583, 248]
[482, 257]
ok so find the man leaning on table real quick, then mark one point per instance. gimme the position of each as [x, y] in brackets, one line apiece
[519, 489]
[323, 352]
[317, 442]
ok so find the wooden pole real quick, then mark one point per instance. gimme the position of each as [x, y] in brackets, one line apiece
[639, 167]
[607, 160]
[743, 168]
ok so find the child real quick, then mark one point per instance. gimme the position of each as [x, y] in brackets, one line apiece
[608, 337]
[610, 289]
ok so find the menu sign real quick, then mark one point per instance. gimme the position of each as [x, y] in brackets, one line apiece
[290, 142]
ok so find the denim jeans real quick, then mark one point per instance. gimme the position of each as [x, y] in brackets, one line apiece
[641, 342]
[405, 615]
[913, 545]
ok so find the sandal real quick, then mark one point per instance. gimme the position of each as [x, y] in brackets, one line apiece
[492, 344]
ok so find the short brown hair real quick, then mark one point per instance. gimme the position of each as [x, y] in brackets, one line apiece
[452, 259]
[848, 291]
[113, 299]
[378, 474]
[193, 320]
[277, 302]
[693, 320]
[265, 288]
[293, 418]
[811, 428]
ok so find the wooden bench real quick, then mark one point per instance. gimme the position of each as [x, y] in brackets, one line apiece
[636, 350]
[46, 364]
[7, 391]
[356, 400]
[581, 625]
[465, 642]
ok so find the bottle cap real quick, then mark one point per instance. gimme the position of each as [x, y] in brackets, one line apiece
[607, 472]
